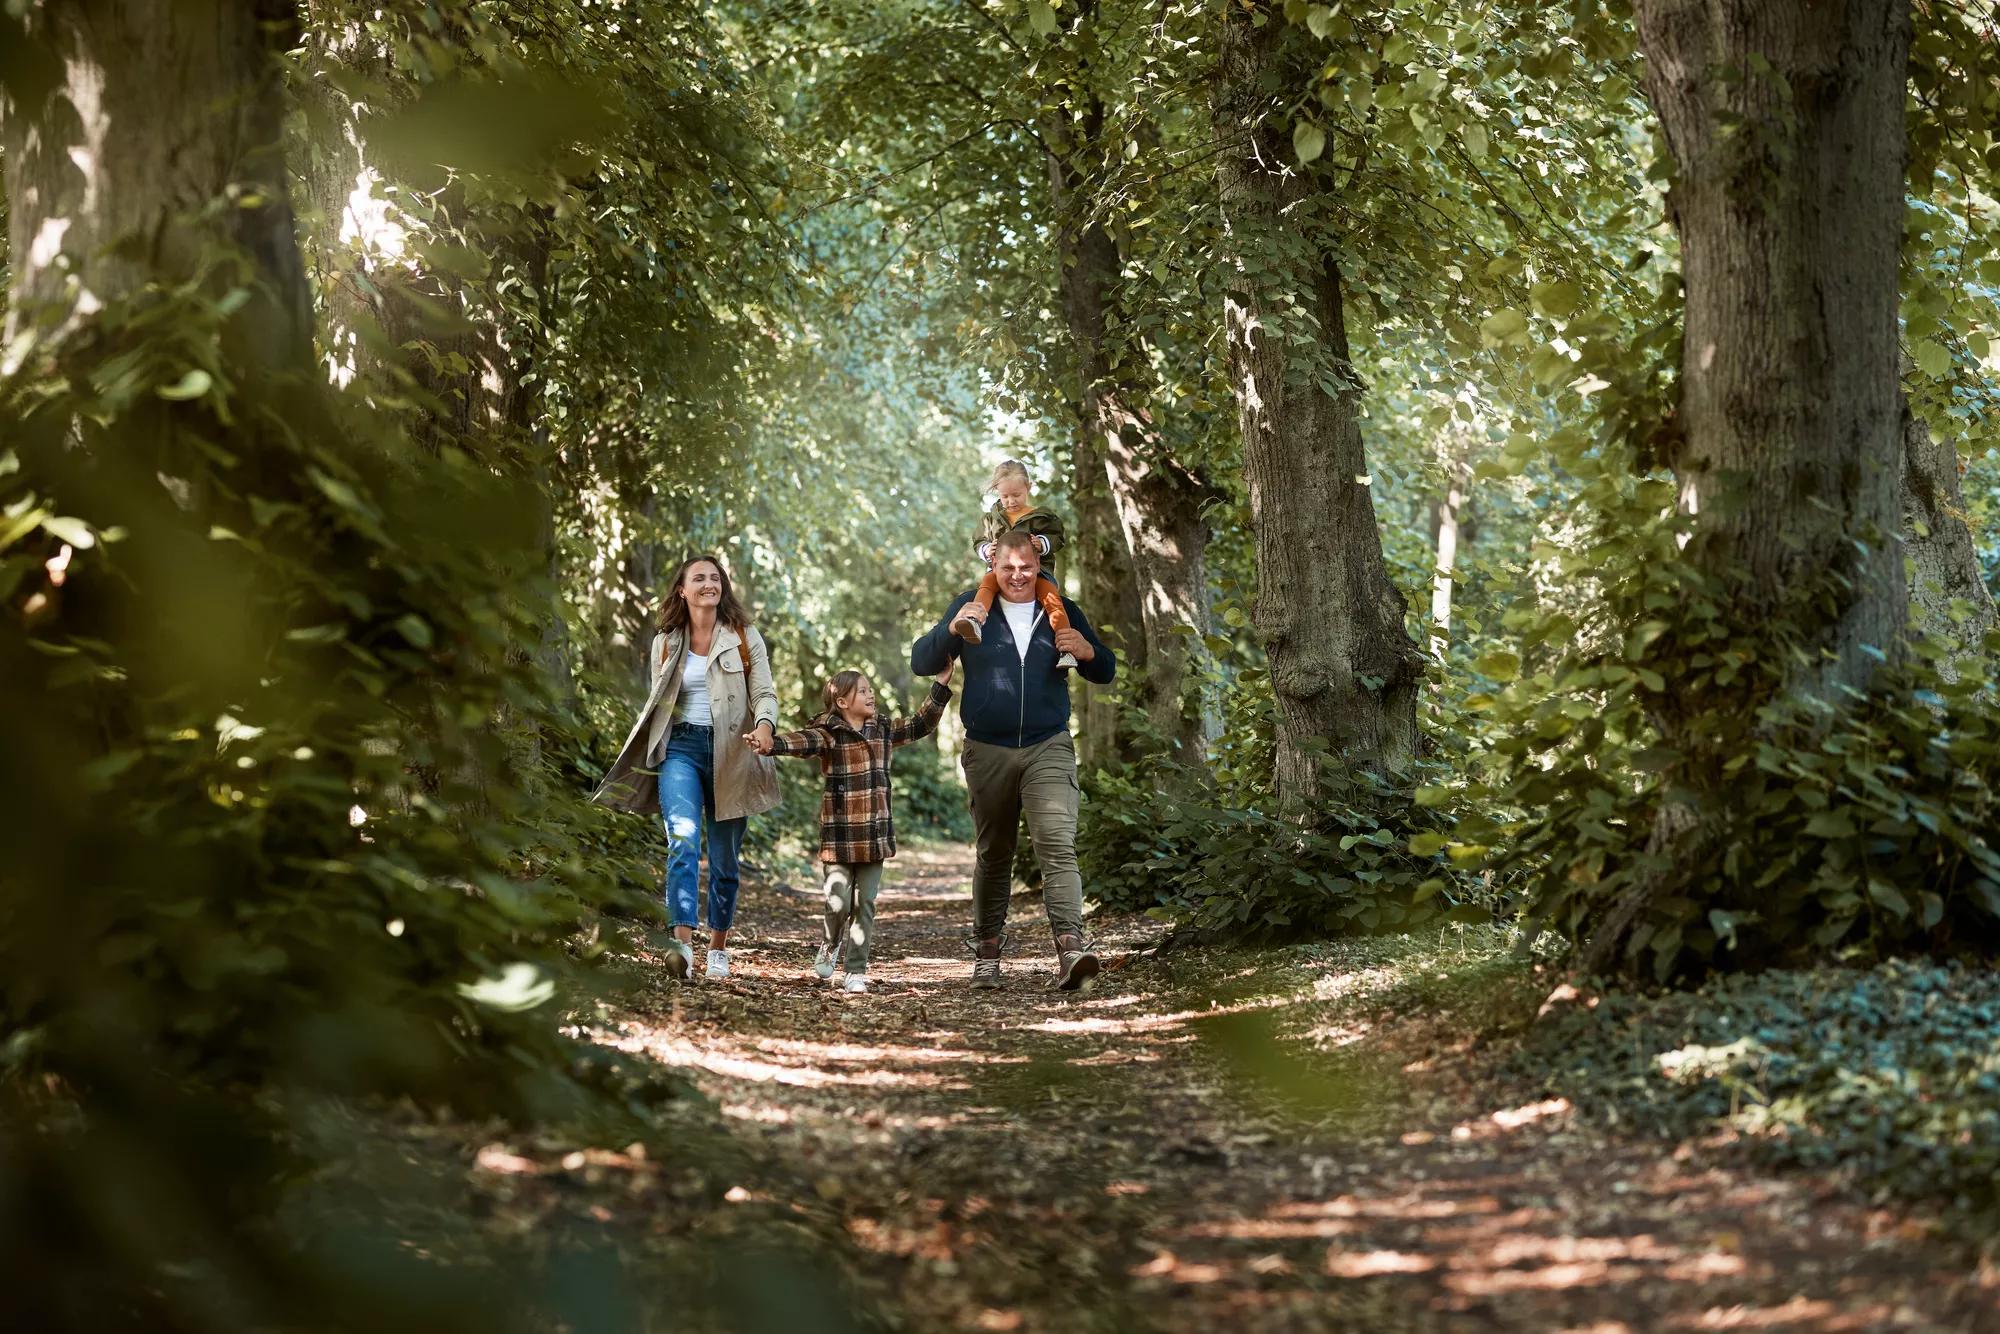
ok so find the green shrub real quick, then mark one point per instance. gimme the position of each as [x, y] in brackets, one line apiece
[291, 810]
[1223, 870]
[1658, 753]
[1863, 835]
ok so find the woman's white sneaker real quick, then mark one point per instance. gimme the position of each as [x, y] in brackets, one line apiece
[856, 983]
[680, 960]
[823, 961]
[718, 964]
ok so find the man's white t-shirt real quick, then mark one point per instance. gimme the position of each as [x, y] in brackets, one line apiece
[1021, 620]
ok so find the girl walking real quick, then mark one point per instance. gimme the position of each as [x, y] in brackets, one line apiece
[856, 832]
[710, 678]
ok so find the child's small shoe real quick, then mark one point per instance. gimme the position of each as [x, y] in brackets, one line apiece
[856, 984]
[1065, 662]
[823, 961]
[967, 629]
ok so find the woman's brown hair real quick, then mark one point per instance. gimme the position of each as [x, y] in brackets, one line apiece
[674, 611]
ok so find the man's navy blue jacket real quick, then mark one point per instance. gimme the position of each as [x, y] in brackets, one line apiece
[1004, 700]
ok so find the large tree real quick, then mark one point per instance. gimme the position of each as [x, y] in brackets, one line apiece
[1156, 501]
[1344, 670]
[1783, 120]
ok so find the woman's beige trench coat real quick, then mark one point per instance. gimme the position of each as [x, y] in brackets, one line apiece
[740, 695]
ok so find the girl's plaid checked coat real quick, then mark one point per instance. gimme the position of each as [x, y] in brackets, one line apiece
[854, 822]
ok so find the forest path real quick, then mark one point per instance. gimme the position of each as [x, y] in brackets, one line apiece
[1163, 1153]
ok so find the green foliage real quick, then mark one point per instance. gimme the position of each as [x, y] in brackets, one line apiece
[1238, 873]
[771, 283]
[1887, 1078]
[1161, 841]
[1659, 754]
[929, 800]
[298, 630]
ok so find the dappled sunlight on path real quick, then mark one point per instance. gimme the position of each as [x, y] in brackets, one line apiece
[1177, 1150]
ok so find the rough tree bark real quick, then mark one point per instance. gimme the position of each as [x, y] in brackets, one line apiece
[1785, 122]
[1110, 594]
[156, 111]
[1155, 503]
[1948, 593]
[1784, 119]
[1344, 669]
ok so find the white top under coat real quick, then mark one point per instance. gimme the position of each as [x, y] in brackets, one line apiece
[692, 706]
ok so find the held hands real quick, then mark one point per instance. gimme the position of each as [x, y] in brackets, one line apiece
[1071, 640]
[762, 739]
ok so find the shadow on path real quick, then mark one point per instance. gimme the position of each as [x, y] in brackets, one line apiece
[1177, 1151]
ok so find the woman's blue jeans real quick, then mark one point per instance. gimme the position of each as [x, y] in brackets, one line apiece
[687, 804]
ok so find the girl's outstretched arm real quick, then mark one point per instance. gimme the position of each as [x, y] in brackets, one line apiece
[802, 744]
[905, 730]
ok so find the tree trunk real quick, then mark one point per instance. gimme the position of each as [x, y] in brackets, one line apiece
[157, 111]
[1784, 119]
[1447, 529]
[1155, 503]
[1785, 122]
[1948, 594]
[1344, 669]
[1110, 596]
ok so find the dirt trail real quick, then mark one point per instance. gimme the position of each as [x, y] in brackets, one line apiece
[1028, 1160]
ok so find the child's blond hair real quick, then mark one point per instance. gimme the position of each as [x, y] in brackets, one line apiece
[1008, 468]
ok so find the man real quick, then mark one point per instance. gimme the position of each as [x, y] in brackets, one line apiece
[1018, 753]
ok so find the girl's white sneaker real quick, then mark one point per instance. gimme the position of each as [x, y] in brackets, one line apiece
[856, 983]
[823, 961]
[718, 964]
[680, 960]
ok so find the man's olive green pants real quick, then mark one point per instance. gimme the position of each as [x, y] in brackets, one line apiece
[1039, 781]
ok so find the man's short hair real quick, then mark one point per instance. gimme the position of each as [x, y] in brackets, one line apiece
[1016, 537]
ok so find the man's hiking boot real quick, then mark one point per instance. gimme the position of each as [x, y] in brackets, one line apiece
[967, 629]
[1077, 964]
[680, 960]
[986, 966]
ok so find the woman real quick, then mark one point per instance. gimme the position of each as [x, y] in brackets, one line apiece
[710, 677]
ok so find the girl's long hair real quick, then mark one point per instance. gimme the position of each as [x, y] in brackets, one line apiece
[674, 610]
[838, 687]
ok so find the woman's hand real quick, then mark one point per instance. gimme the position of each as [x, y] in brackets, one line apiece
[762, 739]
[943, 678]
